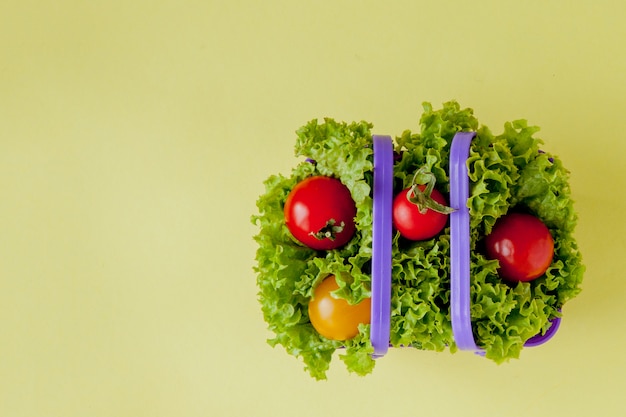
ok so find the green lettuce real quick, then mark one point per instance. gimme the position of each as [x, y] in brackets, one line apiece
[507, 172]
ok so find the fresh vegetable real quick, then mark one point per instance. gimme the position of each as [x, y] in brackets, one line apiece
[414, 224]
[333, 317]
[420, 211]
[523, 246]
[507, 174]
[319, 212]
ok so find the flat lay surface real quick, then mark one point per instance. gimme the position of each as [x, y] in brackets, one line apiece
[134, 141]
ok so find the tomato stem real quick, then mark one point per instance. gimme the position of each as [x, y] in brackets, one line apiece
[329, 231]
[422, 199]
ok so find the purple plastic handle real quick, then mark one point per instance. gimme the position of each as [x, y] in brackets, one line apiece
[540, 339]
[460, 243]
[460, 251]
[380, 322]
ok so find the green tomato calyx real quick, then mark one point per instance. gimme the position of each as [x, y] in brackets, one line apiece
[423, 199]
[329, 231]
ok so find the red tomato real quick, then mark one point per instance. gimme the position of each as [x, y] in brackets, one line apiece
[319, 212]
[334, 318]
[414, 225]
[523, 245]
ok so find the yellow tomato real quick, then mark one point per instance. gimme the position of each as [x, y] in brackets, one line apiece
[333, 317]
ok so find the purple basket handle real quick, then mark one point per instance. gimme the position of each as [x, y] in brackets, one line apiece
[460, 243]
[380, 322]
[540, 339]
[459, 252]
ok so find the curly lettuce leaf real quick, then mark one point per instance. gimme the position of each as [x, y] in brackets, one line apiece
[420, 297]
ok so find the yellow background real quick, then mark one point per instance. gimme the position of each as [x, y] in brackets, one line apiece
[134, 138]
